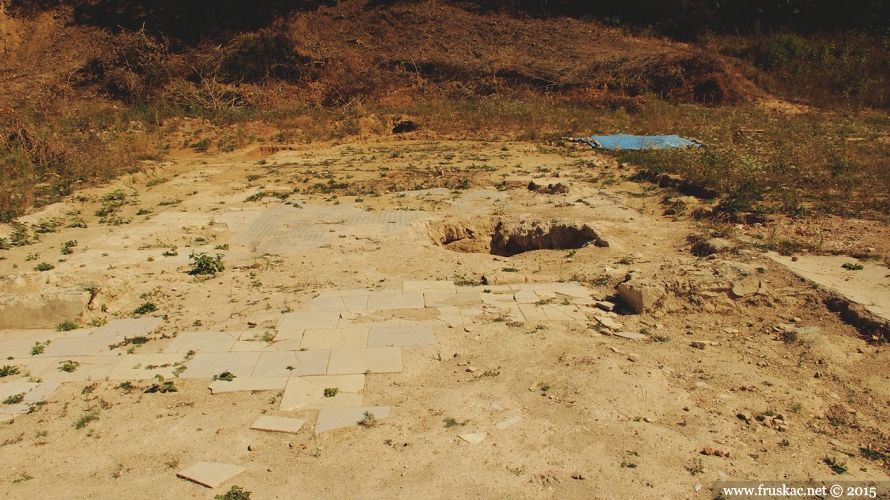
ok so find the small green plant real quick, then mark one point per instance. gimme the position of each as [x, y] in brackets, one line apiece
[44, 266]
[235, 493]
[222, 247]
[170, 253]
[84, 420]
[331, 392]
[461, 280]
[545, 387]
[68, 366]
[67, 247]
[162, 386]
[697, 466]
[127, 387]
[510, 270]
[66, 326]
[784, 442]
[203, 264]
[836, 466]
[38, 348]
[8, 370]
[850, 266]
[628, 465]
[225, 376]
[368, 420]
[14, 399]
[145, 308]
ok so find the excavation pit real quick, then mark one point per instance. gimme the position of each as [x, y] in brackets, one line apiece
[508, 236]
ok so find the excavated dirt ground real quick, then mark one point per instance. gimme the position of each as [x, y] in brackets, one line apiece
[601, 416]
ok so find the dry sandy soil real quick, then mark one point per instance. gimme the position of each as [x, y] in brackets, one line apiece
[601, 416]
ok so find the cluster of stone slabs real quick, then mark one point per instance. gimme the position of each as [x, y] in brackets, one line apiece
[334, 344]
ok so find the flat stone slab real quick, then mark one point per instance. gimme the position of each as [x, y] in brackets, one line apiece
[78, 346]
[351, 337]
[202, 342]
[400, 335]
[346, 383]
[507, 423]
[145, 366]
[275, 364]
[308, 392]
[252, 346]
[320, 304]
[381, 301]
[533, 312]
[272, 423]
[208, 364]
[298, 393]
[629, 335]
[129, 327]
[337, 418]
[341, 400]
[356, 303]
[41, 392]
[210, 474]
[526, 296]
[248, 384]
[89, 368]
[307, 320]
[372, 359]
[474, 438]
[8, 389]
[428, 286]
[609, 323]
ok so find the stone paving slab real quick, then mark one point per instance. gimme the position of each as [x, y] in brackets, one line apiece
[8, 389]
[77, 346]
[533, 312]
[16, 409]
[571, 311]
[299, 392]
[372, 359]
[41, 392]
[240, 384]
[271, 423]
[403, 301]
[135, 366]
[400, 335]
[90, 368]
[323, 304]
[337, 418]
[291, 322]
[356, 303]
[429, 286]
[341, 400]
[210, 474]
[286, 345]
[202, 342]
[129, 327]
[526, 297]
[347, 383]
[208, 364]
[6, 418]
[350, 337]
[554, 314]
[275, 364]
[252, 346]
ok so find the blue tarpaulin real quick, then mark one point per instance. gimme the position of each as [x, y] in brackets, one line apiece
[624, 141]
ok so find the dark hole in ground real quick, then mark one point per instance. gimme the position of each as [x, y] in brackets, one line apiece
[404, 126]
[512, 236]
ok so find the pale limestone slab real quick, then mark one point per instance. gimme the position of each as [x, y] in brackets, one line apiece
[6, 418]
[286, 345]
[395, 301]
[129, 327]
[351, 337]
[428, 286]
[210, 474]
[202, 342]
[41, 392]
[16, 409]
[630, 335]
[252, 346]
[437, 299]
[208, 364]
[400, 335]
[576, 291]
[543, 294]
[290, 334]
[18, 348]
[571, 311]
[533, 312]
[554, 314]
[497, 298]
[337, 418]
[452, 320]
[358, 293]
[467, 298]
[275, 364]
[77, 346]
[136, 366]
[271, 423]
[90, 368]
[356, 303]
[334, 293]
[298, 393]
[474, 438]
[326, 304]
[347, 383]
[248, 384]
[8, 389]
[483, 288]
[291, 322]
[507, 423]
[341, 400]
[446, 310]
[526, 296]
[372, 359]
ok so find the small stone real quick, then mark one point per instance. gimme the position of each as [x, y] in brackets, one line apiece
[744, 416]
[633, 357]
[474, 438]
[698, 344]
[507, 423]
[697, 487]
[472, 369]
[253, 447]
[468, 329]
[604, 305]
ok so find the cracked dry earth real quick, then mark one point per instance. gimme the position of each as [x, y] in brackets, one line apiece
[452, 309]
